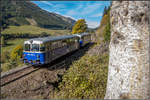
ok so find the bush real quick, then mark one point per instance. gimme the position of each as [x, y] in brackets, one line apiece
[86, 78]
[16, 53]
[44, 34]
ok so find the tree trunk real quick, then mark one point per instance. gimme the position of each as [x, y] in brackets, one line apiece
[128, 76]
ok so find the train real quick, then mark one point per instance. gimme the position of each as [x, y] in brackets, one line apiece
[39, 51]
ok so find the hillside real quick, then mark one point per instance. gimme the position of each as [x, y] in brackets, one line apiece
[32, 30]
[16, 13]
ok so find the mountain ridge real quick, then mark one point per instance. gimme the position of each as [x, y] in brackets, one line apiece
[17, 12]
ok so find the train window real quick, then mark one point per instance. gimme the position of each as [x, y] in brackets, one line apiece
[35, 47]
[49, 45]
[42, 47]
[46, 47]
[27, 47]
[54, 45]
[63, 42]
[59, 44]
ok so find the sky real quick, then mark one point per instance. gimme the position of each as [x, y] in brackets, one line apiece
[91, 11]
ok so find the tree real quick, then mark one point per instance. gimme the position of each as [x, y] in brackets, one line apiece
[107, 32]
[105, 11]
[16, 53]
[80, 26]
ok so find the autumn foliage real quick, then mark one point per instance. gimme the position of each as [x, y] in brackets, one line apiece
[16, 53]
[80, 26]
[86, 78]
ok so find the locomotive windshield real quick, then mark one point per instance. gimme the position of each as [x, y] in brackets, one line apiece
[27, 47]
[35, 47]
[42, 47]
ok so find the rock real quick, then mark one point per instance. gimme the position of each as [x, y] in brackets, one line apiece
[128, 76]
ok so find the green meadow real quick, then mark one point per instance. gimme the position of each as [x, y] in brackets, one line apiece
[33, 30]
[12, 43]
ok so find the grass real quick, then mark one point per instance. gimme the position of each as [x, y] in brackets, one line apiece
[33, 30]
[7, 49]
[7, 66]
[12, 44]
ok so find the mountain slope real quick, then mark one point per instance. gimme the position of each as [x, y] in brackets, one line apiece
[27, 13]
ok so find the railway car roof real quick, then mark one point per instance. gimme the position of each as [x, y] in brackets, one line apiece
[52, 38]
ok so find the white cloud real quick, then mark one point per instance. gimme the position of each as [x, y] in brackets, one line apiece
[46, 2]
[75, 11]
[97, 15]
[93, 24]
[72, 12]
[70, 17]
[90, 8]
[84, 9]
[81, 10]
[53, 6]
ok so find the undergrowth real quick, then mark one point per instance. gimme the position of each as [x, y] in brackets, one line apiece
[86, 78]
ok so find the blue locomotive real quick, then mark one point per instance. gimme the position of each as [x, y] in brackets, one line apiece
[45, 50]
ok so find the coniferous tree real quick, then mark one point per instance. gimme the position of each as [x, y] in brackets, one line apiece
[105, 11]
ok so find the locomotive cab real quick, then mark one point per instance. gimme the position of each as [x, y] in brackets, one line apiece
[47, 49]
[34, 52]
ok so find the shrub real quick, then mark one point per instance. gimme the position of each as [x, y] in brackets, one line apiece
[16, 53]
[44, 34]
[86, 78]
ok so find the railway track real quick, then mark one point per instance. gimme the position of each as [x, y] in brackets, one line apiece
[18, 74]
[10, 77]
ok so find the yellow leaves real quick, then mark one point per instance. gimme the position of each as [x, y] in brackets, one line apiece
[16, 53]
[86, 78]
[79, 27]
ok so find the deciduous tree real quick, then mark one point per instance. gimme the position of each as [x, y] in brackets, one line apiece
[80, 26]
[16, 53]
